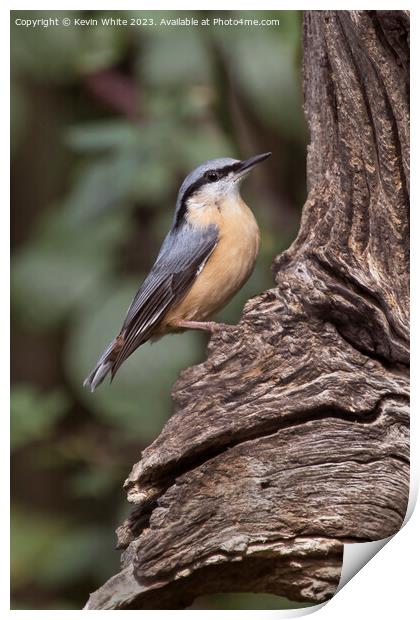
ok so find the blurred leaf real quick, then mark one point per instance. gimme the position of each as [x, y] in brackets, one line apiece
[101, 47]
[77, 553]
[95, 482]
[32, 536]
[58, 268]
[34, 413]
[62, 53]
[51, 552]
[208, 145]
[133, 170]
[101, 186]
[57, 47]
[169, 60]
[267, 73]
[100, 136]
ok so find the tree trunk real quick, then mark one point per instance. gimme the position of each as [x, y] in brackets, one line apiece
[292, 437]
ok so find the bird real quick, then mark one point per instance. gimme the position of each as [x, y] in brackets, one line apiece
[206, 257]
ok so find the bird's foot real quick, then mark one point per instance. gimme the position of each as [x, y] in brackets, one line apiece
[207, 326]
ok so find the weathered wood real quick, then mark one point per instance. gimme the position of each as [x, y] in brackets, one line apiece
[292, 437]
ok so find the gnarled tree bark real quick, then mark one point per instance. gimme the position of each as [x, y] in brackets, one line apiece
[292, 437]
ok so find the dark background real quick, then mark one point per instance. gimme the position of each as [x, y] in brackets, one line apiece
[106, 122]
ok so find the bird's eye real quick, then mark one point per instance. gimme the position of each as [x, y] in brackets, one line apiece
[212, 176]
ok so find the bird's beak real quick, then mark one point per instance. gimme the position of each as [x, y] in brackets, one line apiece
[247, 164]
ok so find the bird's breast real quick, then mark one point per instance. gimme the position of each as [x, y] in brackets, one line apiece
[230, 263]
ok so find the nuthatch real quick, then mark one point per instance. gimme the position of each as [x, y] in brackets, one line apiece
[204, 260]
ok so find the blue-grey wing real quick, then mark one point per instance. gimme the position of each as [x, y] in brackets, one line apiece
[183, 254]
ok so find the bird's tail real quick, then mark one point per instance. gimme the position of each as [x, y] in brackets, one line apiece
[104, 365]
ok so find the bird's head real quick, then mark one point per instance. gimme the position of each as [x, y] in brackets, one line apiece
[213, 182]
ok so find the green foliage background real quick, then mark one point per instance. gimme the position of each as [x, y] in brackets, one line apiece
[106, 122]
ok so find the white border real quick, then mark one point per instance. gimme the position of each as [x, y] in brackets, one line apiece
[386, 586]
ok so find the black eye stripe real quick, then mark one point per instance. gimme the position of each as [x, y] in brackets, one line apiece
[230, 168]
